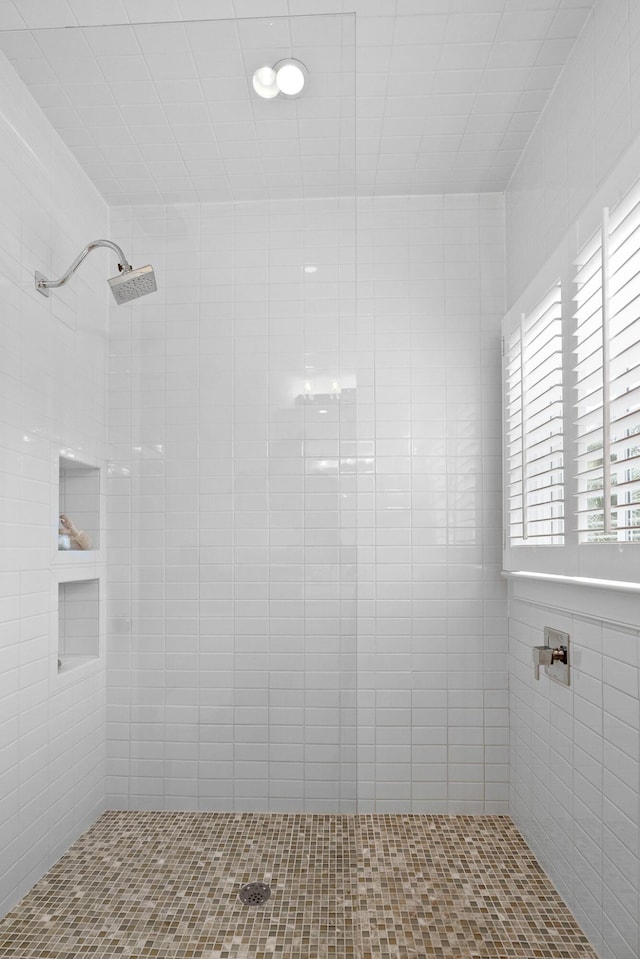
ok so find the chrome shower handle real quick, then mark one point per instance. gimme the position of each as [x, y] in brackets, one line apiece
[547, 656]
[542, 656]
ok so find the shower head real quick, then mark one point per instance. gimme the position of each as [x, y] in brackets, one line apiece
[128, 285]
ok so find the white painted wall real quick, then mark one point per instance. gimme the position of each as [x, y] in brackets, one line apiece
[52, 397]
[255, 538]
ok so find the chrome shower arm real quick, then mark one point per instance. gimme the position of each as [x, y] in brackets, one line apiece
[43, 285]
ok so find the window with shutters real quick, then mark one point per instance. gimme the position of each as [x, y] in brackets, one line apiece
[535, 431]
[572, 396]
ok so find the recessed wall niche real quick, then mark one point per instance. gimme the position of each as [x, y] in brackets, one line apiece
[78, 623]
[79, 502]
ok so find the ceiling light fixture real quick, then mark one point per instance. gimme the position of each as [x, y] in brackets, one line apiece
[264, 83]
[286, 77]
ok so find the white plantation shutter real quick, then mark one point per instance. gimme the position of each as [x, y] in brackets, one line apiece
[608, 379]
[598, 427]
[535, 426]
[624, 369]
[590, 399]
[514, 432]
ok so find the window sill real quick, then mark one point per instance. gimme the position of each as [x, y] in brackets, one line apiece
[608, 584]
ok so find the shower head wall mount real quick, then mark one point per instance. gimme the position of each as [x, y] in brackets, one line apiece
[128, 285]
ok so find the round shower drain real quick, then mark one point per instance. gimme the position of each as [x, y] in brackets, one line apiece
[255, 893]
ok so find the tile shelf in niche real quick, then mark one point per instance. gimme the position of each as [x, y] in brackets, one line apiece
[70, 662]
[78, 623]
[73, 558]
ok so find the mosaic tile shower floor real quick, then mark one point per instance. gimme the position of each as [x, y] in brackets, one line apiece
[165, 886]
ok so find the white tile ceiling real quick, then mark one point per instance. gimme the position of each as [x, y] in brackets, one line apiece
[404, 96]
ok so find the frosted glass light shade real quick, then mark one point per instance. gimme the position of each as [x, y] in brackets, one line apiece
[264, 83]
[290, 77]
[287, 77]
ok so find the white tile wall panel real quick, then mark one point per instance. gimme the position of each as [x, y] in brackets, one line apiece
[248, 523]
[53, 396]
[575, 787]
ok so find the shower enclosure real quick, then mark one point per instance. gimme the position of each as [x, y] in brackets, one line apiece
[305, 611]
[251, 576]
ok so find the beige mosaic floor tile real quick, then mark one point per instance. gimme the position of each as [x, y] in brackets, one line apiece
[142, 885]
[458, 887]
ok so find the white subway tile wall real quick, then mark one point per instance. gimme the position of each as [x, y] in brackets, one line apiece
[432, 723]
[592, 117]
[233, 528]
[53, 395]
[575, 791]
[290, 476]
